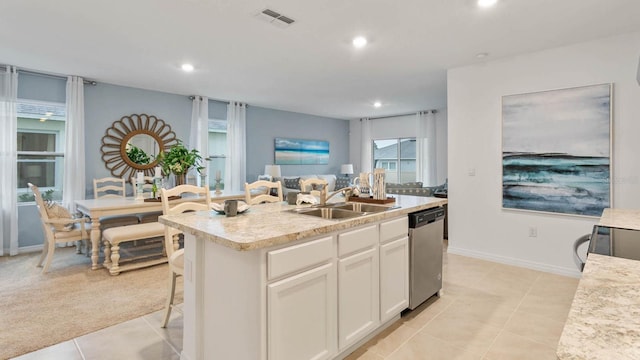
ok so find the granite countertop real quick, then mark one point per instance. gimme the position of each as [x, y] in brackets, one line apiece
[621, 218]
[604, 320]
[270, 224]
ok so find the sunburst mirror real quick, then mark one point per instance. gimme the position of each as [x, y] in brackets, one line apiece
[133, 143]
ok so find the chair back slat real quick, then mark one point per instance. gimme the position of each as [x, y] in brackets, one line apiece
[109, 187]
[257, 196]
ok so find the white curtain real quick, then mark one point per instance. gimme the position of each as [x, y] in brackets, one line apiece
[426, 148]
[74, 177]
[8, 160]
[235, 164]
[366, 154]
[198, 136]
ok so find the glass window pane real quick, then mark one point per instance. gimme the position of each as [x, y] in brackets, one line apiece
[407, 160]
[385, 152]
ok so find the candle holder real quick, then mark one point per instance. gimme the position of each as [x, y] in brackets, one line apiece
[218, 192]
[203, 181]
[139, 191]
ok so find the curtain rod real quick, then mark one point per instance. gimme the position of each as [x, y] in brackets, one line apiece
[407, 114]
[53, 76]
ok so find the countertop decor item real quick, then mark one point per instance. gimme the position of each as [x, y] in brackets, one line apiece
[219, 207]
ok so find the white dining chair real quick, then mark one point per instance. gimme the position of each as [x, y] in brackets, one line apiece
[59, 227]
[171, 235]
[260, 191]
[111, 187]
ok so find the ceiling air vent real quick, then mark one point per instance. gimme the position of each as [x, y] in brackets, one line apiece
[275, 18]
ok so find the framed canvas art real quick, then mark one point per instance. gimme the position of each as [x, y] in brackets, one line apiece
[556, 150]
[301, 152]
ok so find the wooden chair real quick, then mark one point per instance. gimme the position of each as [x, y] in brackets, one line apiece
[171, 235]
[313, 186]
[110, 187]
[58, 229]
[260, 191]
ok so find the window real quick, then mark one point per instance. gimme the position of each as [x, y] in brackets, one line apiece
[397, 157]
[217, 151]
[40, 145]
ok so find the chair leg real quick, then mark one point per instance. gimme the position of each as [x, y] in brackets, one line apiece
[79, 247]
[51, 245]
[43, 255]
[115, 259]
[170, 296]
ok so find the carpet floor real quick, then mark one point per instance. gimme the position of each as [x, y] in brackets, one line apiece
[39, 310]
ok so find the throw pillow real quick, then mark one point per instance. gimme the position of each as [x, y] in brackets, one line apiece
[342, 183]
[292, 183]
[55, 211]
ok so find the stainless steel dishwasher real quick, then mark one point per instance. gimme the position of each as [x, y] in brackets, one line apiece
[425, 254]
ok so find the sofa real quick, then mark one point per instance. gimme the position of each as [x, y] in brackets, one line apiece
[292, 183]
[415, 189]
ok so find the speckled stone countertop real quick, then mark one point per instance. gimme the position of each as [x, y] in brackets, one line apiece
[271, 224]
[604, 320]
[621, 218]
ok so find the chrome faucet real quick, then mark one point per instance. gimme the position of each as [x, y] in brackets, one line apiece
[324, 196]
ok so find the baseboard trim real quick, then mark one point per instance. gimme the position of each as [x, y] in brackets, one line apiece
[30, 249]
[515, 262]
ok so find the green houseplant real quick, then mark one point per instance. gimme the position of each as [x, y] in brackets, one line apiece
[137, 155]
[178, 160]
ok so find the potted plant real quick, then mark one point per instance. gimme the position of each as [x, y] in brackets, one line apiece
[178, 160]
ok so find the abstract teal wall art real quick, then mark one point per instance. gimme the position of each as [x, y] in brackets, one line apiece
[556, 150]
[301, 152]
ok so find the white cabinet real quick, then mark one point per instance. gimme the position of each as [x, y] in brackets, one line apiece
[358, 299]
[302, 315]
[394, 278]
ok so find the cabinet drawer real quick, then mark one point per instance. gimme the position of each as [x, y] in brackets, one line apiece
[356, 240]
[393, 229]
[298, 257]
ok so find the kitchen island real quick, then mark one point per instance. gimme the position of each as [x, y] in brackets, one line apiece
[274, 284]
[604, 319]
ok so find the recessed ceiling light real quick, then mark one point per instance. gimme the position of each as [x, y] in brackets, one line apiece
[43, 119]
[486, 3]
[377, 104]
[482, 55]
[187, 67]
[359, 41]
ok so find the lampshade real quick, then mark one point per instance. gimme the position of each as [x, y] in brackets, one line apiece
[273, 170]
[346, 169]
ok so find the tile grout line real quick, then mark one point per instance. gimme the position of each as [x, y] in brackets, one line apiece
[502, 329]
[144, 317]
[417, 331]
[75, 342]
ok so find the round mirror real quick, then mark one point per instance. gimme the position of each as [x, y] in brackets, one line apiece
[142, 149]
[133, 143]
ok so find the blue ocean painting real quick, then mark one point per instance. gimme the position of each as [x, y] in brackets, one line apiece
[555, 183]
[301, 152]
[556, 150]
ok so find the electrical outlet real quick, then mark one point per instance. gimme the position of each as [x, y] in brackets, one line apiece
[471, 171]
[533, 231]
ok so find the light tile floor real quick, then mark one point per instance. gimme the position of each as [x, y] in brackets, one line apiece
[488, 311]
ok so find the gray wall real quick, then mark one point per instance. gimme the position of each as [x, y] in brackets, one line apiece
[106, 103]
[264, 125]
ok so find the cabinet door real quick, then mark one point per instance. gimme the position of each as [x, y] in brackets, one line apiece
[358, 296]
[394, 278]
[301, 315]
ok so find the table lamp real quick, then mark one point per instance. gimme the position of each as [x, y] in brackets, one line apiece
[273, 171]
[346, 169]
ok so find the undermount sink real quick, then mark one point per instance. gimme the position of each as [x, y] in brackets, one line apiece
[328, 213]
[360, 207]
[341, 210]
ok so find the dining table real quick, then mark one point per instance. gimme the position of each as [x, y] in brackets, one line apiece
[98, 208]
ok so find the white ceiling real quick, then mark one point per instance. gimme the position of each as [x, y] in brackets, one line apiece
[309, 67]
